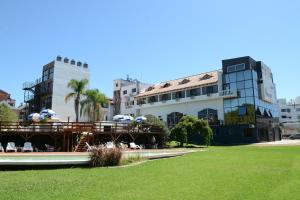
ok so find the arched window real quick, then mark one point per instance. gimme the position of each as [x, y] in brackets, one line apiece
[209, 114]
[173, 118]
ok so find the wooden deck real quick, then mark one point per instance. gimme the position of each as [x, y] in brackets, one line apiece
[67, 131]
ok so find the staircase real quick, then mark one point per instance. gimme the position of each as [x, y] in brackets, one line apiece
[81, 144]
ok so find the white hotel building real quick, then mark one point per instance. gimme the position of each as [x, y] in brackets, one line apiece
[50, 90]
[239, 101]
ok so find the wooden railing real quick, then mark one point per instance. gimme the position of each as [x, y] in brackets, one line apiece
[60, 127]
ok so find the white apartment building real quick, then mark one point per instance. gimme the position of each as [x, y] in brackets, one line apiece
[50, 90]
[124, 92]
[193, 95]
[290, 116]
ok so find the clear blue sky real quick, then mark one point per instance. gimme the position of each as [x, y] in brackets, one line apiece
[152, 40]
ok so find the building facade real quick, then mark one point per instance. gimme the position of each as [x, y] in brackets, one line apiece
[124, 92]
[50, 90]
[5, 98]
[289, 116]
[239, 101]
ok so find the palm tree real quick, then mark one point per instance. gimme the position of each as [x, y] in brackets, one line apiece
[78, 89]
[92, 105]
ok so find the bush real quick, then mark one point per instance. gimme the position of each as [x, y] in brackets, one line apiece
[189, 127]
[6, 114]
[103, 157]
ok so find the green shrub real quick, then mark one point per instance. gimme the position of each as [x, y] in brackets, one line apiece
[103, 157]
[6, 114]
[190, 127]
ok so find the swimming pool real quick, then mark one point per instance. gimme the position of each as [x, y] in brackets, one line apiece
[33, 159]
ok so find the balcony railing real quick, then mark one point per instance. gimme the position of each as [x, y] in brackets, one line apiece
[229, 93]
[29, 85]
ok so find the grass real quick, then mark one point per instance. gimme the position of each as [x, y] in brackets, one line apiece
[238, 173]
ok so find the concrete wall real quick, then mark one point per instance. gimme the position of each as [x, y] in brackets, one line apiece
[63, 73]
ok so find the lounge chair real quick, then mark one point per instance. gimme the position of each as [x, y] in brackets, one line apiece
[11, 147]
[89, 148]
[49, 148]
[27, 147]
[134, 146]
[123, 146]
[110, 145]
[1, 148]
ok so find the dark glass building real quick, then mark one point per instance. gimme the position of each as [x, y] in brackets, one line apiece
[252, 116]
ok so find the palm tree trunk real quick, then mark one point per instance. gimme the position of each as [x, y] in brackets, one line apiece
[77, 108]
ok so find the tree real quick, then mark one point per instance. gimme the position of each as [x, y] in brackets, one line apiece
[153, 120]
[190, 127]
[6, 114]
[92, 105]
[179, 134]
[78, 90]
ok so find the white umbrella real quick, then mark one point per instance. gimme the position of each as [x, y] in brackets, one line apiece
[118, 117]
[34, 117]
[48, 112]
[140, 119]
[127, 118]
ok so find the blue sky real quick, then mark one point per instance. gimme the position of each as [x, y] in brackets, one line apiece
[152, 40]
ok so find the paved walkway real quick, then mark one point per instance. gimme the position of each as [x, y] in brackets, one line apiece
[279, 143]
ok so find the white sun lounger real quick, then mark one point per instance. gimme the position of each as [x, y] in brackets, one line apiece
[1, 148]
[11, 147]
[27, 147]
[134, 146]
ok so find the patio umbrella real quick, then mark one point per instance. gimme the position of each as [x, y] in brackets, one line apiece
[140, 119]
[118, 117]
[35, 117]
[48, 112]
[126, 118]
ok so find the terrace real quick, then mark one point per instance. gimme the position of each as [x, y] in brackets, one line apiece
[68, 136]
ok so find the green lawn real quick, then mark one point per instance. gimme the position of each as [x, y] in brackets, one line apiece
[233, 173]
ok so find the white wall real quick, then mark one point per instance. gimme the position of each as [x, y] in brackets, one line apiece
[185, 107]
[63, 73]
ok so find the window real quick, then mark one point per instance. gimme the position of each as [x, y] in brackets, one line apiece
[165, 97]
[184, 81]
[283, 117]
[248, 84]
[141, 101]
[117, 85]
[72, 62]
[150, 88]
[152, 99]
[235, 68]
[193, 92]
[240, 76]
[247, 75]
[165, 85]
[85, 65]
[178, 95]
[210, 89]
[206, 77]
[66, 60]
[208, 114]
[242, 111]
[240, 85]
[133, 90]
[124, 92]
[79, 64]
[174, 118]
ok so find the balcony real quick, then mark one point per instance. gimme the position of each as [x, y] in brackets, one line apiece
[30, 85]
[29, 98]
[227, 94]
